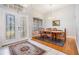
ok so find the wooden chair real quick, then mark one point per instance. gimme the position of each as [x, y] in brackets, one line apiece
[54, 29]
[49, 36]
[42, 33]
[38, 34]
[35, 33]
[49, 29]
[62, 36]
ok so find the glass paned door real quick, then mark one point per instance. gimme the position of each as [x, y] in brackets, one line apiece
[10, 26]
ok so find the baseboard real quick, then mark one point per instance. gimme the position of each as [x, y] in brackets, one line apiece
[73, 37]
[78, 50]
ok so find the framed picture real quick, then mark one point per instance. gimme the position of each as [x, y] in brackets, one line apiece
[10, 26]
[56, 23]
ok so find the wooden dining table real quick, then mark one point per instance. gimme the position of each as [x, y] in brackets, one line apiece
[54, 32]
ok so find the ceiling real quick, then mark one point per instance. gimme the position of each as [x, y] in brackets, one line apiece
[44, 8]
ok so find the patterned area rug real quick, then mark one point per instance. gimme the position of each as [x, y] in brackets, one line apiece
[53, 41]
[25, 48]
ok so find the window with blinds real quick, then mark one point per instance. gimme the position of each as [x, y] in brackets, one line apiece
[37, 24]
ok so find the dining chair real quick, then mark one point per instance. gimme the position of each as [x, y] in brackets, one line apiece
[62, 36]
[54, 29]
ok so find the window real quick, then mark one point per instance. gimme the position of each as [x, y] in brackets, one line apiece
[37, 24]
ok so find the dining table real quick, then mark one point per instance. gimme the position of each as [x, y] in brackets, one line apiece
[55, 33]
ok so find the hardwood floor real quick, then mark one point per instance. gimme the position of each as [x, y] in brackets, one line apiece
[69, 47]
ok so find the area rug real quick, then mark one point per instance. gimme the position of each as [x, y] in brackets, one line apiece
[53, 41]
[25, 48]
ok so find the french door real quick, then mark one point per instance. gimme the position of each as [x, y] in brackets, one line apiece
[10, 26]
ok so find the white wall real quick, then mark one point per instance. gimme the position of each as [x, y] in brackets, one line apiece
[3, 12]
[29, 18]
[33, 14]
[77, 25]
[1, 27]
[66, 15]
